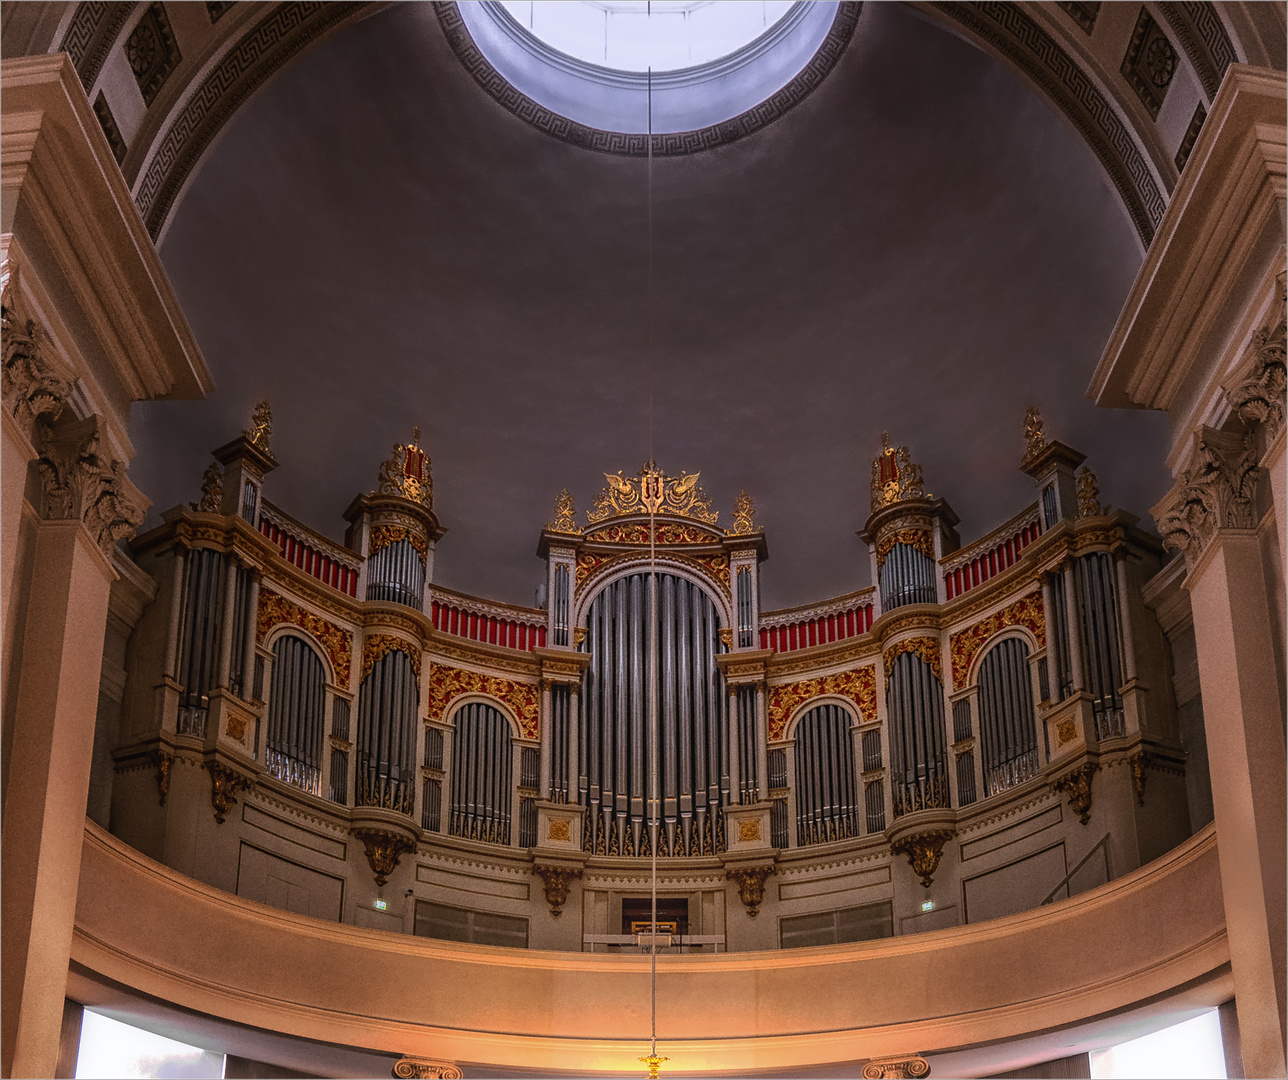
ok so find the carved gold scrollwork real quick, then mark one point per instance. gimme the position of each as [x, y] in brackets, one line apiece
[1034, 433]
[919, 539]
[925, 647]
[895, 478]
[384, 850]
[565, 515]
[1139, 762]
[557, 881]
[260, 432]
[1077, 786]
[1217, 491]
[751, 885]
[909, 1067]
[1088, 494]
[923, 851]
[225, 783]
[744, 516]
[406, 473]
[83, 483]
[426, 1069]
[652, 491]
[377, 645]
[384, 535]
[163, 761]
[212, 491]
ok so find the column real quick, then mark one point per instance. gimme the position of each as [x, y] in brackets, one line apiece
[1075, 631]
[49, 772]
[1241, 711]
[226, 626]
[762, 744]
[1052, 652]
[178, 555]
[547, 738]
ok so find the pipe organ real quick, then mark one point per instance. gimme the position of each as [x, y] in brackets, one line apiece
[966, 678]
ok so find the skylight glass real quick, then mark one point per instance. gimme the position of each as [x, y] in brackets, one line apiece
[634, 35]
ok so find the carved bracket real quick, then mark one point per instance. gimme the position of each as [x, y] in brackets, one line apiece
[751, 885]
[557, 881]
[1077, 785]
[906, 1067]
[923, 851]
[1139, 762]
[224, 786]
[162, 761]
[384, 850]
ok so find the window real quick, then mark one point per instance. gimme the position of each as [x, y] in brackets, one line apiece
[477, 927]
[836, 927]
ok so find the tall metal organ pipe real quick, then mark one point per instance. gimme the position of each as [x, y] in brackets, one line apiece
[1101, 653]
[386, 750]
[396, 573]
[907, 577]
[915, 708]
[296, 714]
[482, 761]
[694, 759]
[201, 626]
[1007, 729]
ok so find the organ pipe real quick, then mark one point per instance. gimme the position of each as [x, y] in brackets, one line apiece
[481, 775]
[296, 714]
[1007, 730]
[561, 605]
[915, 707]
[692, 719]
[907, 577]
[387, 703]
[826, 802]
[202, 623]
[396, 573]
[1101, 654]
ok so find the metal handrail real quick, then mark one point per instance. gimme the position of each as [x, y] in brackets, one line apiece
[1103, 842]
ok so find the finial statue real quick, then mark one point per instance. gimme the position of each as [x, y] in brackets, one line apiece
[260, 431]
[406, 473]
[565, 514]
[1088, 494]
[212, 491]
[744, 513]
[895, 478]
[1034, 433]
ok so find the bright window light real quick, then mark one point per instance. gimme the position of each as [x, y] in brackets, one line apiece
[1188, 1051]
[110, 1049]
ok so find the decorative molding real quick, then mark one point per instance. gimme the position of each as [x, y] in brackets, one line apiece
[375, 646]
[1150, 63]
[81, 483]
[964, 645]
[681, 142]
[384, 851]
[224, 786]
[1077, 786]
[1216, 492]
[1083, 12]
[90, 37]
[108, 123]
[1010, 30]
[275, 609]
[909, 1067]
[152, 51]
[426, 1069]
[927, 648]
[1202, 35]
[923, 850]
[667, 532]
[523, 699]
[32, 384]
[1191, 136]
[859, 685]
[751, 885]
[557, 880]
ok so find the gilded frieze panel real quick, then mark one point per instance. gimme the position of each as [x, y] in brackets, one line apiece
[666, 533]
[925, 647]
[965, 644]
[919, 539]
[859, 685]
[447, 683]
[376, 646]
[384, 535]
[275, 609]
[713, 567]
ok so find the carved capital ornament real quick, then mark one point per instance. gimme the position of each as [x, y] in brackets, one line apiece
[1217, 491]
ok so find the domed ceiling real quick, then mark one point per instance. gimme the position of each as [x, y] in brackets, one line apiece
[921, 245]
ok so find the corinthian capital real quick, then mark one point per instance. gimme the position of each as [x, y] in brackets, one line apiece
[31, 383]
[1217, 492]
[82, 482]
[1257, 392]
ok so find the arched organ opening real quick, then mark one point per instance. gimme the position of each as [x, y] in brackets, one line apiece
[349, 718]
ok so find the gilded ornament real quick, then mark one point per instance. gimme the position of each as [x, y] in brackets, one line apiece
[1065, 731]
[275, 609]
[235, 727]
[565, 515]
[859, 685]
[1139, 762]
[557, 881]
[929, 794]
[212, 491]
[918, 539]
[447, 683]
[726, 637]
[895, 478]
[1088, 494]
[751, 886]
[384, 535]
[1034, 433]
[923, 851]
[260, 432]
[426, 1069]
[406, 473]
[927, 648]
[748, 831]
[744, 513]
[579, 636]
[376, 646]
[964, 645]
[654, 1063]
[559, 828]
[587, 564]
[1077, 785]
[652, 492]
[163, 762]
[384, 851]
[666, 532]
[224, 786]
[909, 1067]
